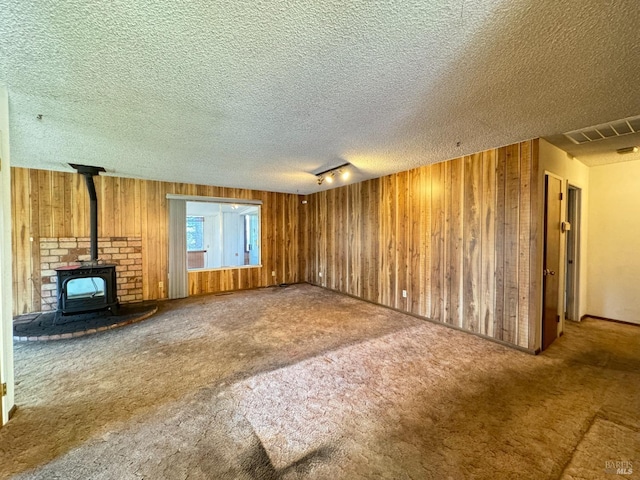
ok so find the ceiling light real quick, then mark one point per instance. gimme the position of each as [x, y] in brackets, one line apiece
[330, 174]
[622, 151]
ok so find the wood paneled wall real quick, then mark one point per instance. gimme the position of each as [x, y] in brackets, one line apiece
[56, 204]
[459, 237]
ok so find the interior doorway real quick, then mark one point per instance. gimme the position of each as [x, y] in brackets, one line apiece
[572, 267]
[552, 255]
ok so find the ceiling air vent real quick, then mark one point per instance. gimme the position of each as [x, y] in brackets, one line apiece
[606, 130]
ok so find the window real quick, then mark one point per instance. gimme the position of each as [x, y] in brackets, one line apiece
[222, 234]
[195, 233]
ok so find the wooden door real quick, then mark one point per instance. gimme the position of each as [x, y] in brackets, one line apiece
[551, 280]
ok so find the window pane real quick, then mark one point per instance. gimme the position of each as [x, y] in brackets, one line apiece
[222, 234]
[195, 233]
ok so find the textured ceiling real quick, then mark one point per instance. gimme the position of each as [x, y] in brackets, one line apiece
[262, 93]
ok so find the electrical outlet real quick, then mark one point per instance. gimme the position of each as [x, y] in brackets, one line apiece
[320, 274]
[161, 285]
[273, 273]
[404, 294]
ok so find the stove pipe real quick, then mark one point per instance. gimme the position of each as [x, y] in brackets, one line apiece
[89, 172]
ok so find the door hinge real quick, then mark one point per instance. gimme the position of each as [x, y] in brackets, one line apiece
[4, 390]
[560, 195]
[558, 319]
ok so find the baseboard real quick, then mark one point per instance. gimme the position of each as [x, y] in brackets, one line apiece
[597, 317]
[12, 412]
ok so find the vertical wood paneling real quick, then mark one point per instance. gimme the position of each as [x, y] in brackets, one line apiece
[488, 254]
[401, 194]
[456, 235]
[459, 236]
[321, 232]
[21, 232]
[292, 273]
[56, 204]
[119, 208]
[387, 253]
[455, 243]
[303, 238]
[524, 212]
[277, 219]
[308, 231]
[45, 212]
[446, 233]
[281, 238]
[68, 207]
[149, 256]
[511, 239]
[343, 239]
[35, 233]
[535, 256]
[498, 322]
[106, 202]
[162, 212]
[471, 273]
[355, 240]
[57, 198]
[331, 265]
[415, 242]
[268, 240]
[437, 241]
[78, 192]
[314, 243]
[426, 211]
[371, 239]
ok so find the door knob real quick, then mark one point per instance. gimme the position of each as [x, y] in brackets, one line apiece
[548, 272]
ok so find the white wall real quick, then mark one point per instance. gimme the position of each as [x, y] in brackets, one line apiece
[614, 242]
[6, 295]
[232, 241]
[575, 173]
[211, 242]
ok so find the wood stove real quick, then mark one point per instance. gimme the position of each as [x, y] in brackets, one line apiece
[86, 288]
[91, 286]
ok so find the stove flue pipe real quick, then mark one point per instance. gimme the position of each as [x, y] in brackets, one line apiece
[93, 216]
[88, 173]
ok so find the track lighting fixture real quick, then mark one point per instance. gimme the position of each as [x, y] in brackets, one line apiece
[329, 176]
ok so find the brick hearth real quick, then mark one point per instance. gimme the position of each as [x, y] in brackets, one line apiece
[124, 252]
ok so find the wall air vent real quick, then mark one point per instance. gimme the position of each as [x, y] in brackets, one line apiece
[606, 130]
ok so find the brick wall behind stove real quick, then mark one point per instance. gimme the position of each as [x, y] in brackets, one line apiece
[124, 252]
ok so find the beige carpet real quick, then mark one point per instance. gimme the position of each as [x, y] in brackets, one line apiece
[300, 382]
